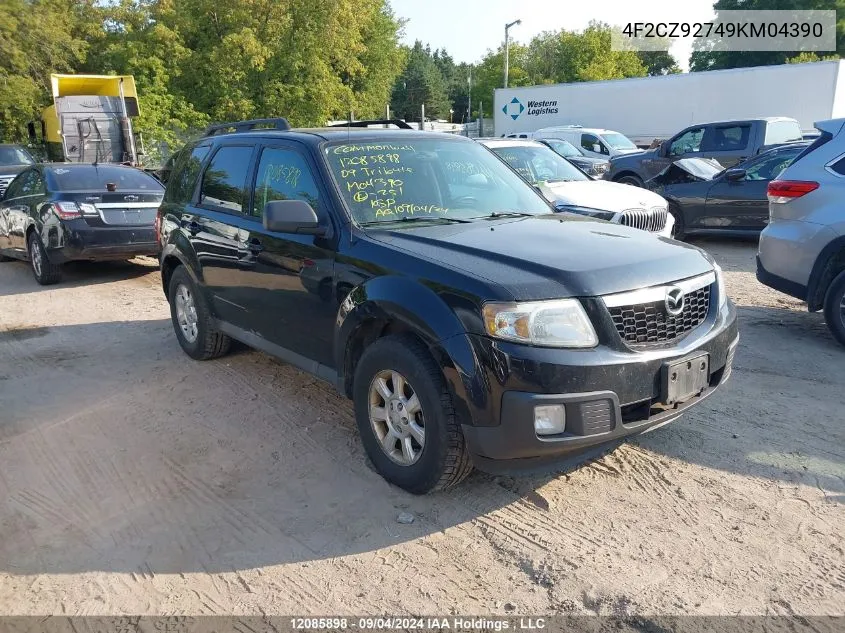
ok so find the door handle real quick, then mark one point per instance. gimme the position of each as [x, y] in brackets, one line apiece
[254, 246]
[192, 226]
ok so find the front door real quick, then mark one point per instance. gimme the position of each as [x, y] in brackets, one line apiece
[288, 279]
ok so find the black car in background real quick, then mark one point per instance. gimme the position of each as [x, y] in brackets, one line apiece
[596, 167]
[54, 213]
[704, 197]
[13, 160]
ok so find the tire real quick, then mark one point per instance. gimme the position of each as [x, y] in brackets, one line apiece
[442, 459]
[45, 271]
[634, 181]
[207, 342]
[834, 308]
[679, 230]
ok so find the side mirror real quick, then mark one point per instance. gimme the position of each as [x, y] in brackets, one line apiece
[291, 216]
[735, 174]
[597, 148]
[665, 147]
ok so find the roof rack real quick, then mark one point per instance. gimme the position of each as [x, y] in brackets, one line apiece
[247, 126]
[367, 123]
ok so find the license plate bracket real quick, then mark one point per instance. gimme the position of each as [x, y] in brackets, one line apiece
[685, 379]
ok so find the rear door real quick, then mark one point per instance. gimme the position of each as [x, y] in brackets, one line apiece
[25, 193]
[742, 204]
[213, 223]
[729, 143]
[287, 279]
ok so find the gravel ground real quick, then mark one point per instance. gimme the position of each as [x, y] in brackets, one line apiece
[134, 480]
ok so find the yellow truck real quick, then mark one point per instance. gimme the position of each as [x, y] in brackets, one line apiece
[90, 120]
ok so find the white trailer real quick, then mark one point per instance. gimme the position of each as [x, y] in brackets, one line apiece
[648, 108]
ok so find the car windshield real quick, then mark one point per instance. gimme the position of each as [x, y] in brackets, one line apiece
[538, 163]
[98, 177]
[564, 148]
[427, 179]
[11, 155]
[618, 141]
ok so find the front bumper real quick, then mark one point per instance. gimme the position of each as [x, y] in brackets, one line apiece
[76, 240]
[609, 394]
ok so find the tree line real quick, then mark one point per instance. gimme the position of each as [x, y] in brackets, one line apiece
[198, 61]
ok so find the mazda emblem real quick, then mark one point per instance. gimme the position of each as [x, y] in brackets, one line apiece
[674, 301]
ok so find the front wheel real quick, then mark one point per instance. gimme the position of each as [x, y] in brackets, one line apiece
[834, 308]
[44, 271]
[634, 181]
[406, 418]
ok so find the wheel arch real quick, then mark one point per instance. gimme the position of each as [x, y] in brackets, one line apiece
[829, 263]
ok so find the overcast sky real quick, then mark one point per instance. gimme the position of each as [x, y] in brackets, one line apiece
[467, 29]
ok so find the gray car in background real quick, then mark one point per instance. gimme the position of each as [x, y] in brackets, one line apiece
[802, 250]
[729, 142]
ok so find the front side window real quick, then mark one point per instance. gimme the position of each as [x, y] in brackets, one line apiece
[591, 143]
[283, 174]
[687, 143]
[224, 180]
[770, 167]
[384, 181]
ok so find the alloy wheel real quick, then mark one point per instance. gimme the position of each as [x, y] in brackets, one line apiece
[396, 417]
[35, 256]
[186, 313]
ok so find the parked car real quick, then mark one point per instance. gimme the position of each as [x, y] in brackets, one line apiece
[13, 160]
[570, 189]
[802, 250]
[729, 142]
[57, 212]
[469, 323]
[593, 166]
[704, 197]
[593, 142]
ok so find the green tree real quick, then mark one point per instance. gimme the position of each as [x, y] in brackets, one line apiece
[704, 58]
[420, 83]
[658, 62]
[38, 37]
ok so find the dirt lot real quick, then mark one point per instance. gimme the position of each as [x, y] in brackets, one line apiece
[134, 480]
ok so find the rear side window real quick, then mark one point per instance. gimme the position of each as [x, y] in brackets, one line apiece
[729, 138]
[782, 132]
[283, 174]
[224, 180]
[186, 170]
[97, 177]
[838, 166]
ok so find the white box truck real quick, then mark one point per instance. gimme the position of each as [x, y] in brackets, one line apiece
[648, 108]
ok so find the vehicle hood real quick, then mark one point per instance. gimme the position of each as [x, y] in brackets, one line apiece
[552, 256]
[633, 159]
[627, 152]
[685, 171]
[601, 194]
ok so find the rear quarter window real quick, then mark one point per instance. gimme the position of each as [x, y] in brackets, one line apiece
[186, 171]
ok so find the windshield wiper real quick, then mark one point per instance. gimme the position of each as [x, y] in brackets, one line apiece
[417, 218]
[505, 214]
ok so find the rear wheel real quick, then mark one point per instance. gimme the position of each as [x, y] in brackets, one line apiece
[834, 308]
[45, 271]
[192, 320]
[679, 230]
[406, 418]
[632, 180]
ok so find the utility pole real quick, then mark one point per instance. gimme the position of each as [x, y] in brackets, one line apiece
[422, 117]
[469, 96]
[507, 28]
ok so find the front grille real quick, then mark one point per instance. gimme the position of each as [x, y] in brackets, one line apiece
[653, 219]
[4, 184]
[645, 323]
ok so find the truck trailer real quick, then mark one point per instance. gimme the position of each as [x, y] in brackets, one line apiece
[649, 108]
[90, 120]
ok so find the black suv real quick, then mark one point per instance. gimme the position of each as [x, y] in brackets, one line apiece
[419, 274]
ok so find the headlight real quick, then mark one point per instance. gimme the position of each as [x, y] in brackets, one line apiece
[556, 323]
[593, 213]
[720, 286]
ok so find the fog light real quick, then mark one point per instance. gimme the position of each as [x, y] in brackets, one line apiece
[550, 419]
